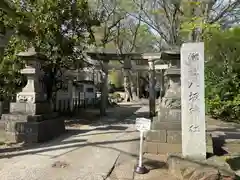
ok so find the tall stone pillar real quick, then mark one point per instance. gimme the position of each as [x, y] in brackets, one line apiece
[31, 118]
[152, 93]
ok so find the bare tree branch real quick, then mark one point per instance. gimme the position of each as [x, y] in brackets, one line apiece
[230, 7]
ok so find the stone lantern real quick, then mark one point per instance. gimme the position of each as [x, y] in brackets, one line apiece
[31, 118]
[165, 134]
[170, 105]
[33, 91]
[31, 99]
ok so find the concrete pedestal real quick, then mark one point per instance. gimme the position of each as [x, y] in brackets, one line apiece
[165, 137]
[169, 140]
[28, 123]
[32, 129]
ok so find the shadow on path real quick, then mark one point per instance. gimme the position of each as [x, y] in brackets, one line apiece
[120, 114]
[220, 138]
[234, 163]
[114, 115]
[77, 146]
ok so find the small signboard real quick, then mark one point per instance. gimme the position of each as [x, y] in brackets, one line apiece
[143, 124]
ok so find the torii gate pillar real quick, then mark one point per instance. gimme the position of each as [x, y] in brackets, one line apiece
[152, 93]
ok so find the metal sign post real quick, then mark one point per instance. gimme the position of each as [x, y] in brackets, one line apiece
[142, 125]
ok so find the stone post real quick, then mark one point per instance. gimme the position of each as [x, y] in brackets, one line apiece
[193, 105]
[152, 93]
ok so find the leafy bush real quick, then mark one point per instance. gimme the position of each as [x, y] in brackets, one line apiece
[11, 80]
[222, 74]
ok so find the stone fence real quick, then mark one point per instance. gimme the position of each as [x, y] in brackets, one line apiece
[63, 104]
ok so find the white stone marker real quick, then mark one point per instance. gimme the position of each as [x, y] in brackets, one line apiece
[192, 101]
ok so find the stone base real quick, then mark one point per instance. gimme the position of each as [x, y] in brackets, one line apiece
[30, 108]
[168, 141]
[32, 129]
[165, 135]
[161, 148]
[165, 132]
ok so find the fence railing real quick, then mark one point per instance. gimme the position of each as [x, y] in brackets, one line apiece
[73, 105]
[62, 106]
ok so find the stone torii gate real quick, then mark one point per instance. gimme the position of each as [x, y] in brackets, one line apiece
[147, 63]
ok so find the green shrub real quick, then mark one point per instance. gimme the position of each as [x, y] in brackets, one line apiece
[222, 75]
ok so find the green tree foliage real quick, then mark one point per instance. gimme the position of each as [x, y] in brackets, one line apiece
[59, 29]
[222, 74]
[146, 40]
[10, 78]
[116, 78]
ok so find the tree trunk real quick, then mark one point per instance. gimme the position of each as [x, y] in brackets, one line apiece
[104, 90]
[196, 34]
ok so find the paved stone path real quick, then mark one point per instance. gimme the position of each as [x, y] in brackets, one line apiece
[88, 152]
[107, 149]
